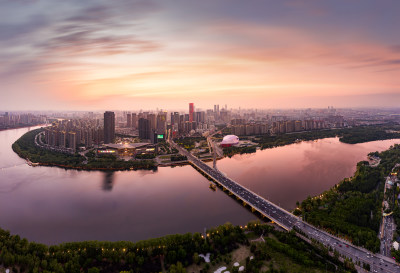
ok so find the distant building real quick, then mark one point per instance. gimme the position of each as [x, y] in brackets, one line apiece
[191, 111]
[200, 117]
[134, 120]
[72, 141]
[153, 121]
[129, 120]
[175, 118]
[62, 139]
[144, 128]
[162, 122]
[109, 127]
[216, 111]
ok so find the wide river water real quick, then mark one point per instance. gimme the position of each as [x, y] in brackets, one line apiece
[52, 205]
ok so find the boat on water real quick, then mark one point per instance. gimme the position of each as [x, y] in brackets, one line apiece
[213, 187]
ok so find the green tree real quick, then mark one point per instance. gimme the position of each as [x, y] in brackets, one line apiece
[94, 270]
[178, 268]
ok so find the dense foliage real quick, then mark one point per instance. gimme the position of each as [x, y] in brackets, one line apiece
[178, 157]
[352, 209]
[173, 252]
[145, 156]
[230, 151]
[188, 142]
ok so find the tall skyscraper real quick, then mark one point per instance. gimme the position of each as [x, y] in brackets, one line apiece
[191, 111]
[161, 122]
[134, 120]
[216, 111]
[144, 128]
[175, 118]
[153, 121]
[129, 120]
[109, 127]
[72, 141]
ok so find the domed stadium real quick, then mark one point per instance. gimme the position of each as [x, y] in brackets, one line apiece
[229, 140]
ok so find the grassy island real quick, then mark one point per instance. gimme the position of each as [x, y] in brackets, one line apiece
[257, 247]
[26, 148]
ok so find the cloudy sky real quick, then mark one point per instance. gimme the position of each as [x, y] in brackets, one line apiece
[143, 54]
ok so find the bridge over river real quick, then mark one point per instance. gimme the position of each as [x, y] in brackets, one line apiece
[288, 221]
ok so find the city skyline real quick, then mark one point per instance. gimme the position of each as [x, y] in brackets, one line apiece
[100, 55]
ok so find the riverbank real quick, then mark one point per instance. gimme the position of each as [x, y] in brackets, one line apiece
[228, 246]
[352, 208]
[352, 135]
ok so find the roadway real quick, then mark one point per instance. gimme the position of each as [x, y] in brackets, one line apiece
[287, 220]
[387, 225]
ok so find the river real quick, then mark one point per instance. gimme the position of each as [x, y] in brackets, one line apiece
[52, 205]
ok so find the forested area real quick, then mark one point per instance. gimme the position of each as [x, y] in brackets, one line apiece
[231, 151]
[188, 142]
[173, 253]
[352, 209]
[178, 157]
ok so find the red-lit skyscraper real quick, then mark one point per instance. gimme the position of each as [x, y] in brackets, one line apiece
[191, 111]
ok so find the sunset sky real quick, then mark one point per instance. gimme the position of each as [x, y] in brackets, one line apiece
[131, 55]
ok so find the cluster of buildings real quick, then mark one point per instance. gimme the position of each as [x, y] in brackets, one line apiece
[8, 120]
[289, 126]
[250, 129]
[152, 127]
[74, 133]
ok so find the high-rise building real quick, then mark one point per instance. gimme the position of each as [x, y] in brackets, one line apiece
[134, 120]
[62, 139]
[72, 141]
[161, 122]
[144, 128]
[216, 111]
[153, 121]
[200, 117]
[191, 111]
[175, 118]
[109, 127]
[129, 120]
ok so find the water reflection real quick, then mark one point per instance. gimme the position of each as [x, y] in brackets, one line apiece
[53, 205]
[108, 181]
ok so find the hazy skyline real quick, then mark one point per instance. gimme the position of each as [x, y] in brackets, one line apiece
[146, 54]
